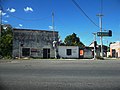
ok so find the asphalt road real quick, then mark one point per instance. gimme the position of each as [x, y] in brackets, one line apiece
[60, 75]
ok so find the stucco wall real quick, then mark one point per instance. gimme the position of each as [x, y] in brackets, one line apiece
[116, 47]
[63, 51]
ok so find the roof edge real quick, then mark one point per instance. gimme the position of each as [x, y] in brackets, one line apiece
[20, 29]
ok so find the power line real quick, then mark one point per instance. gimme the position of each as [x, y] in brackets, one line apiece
[78, 6]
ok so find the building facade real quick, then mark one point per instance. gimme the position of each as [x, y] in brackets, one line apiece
[34, 43]
[68, 51]
[115, 49]
[75, 52]
[98, 49]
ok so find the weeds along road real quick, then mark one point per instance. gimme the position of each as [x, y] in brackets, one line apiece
[60, 75]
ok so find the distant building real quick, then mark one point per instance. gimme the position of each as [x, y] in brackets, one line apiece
[34, 43]
[98, 49]
[75, 52]
[115, 49]
[88, 53]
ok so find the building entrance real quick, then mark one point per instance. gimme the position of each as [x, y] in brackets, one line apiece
[46, 53]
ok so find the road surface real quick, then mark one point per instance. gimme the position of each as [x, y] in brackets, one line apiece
[60, 75]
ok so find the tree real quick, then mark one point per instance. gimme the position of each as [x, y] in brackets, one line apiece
[6, 41]
[73, 40]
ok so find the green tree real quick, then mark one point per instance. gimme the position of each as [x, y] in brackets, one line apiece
[73, 40]
[6, 41]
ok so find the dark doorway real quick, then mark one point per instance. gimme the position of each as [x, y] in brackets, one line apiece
[46, 53]
[113, 52]
[26, 52]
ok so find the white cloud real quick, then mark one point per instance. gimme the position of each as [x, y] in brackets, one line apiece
[7, 16]
[20, 25]
[2, 13]
[11, 10]
[28, 9]
[50, 27]
[5, 21]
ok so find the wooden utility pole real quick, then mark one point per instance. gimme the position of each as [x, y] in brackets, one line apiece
[100, 26]
[54, 42]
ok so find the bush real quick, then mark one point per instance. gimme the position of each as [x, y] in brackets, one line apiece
[7, 57]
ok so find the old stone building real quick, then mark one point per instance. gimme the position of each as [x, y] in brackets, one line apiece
[34, 43]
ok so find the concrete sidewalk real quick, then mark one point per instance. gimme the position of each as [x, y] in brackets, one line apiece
[10, 60]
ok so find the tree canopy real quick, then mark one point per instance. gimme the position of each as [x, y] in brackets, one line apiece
[6, 40]
[73, 40]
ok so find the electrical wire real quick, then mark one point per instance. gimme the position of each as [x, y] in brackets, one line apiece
[78, 6]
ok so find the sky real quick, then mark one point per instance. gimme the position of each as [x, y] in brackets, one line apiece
[68, 18]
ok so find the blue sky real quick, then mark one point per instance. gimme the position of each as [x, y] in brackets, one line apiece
[37, 14]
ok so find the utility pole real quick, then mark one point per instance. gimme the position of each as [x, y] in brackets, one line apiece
[54, 42]
[0, 19]
[19, 50]
[53, 26]
[94, 45]
[100, 25]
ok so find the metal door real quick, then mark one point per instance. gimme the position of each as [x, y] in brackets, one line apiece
[46, 53]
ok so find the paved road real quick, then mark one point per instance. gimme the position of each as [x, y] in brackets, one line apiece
[60, 75]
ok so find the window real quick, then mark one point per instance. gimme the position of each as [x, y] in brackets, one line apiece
[69, 51]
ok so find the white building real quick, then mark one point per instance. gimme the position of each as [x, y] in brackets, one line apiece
[68, 51]
[75, 52]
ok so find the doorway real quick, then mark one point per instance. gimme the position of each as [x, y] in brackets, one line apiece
[46, 53]
[26, 52]
[113, 52]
